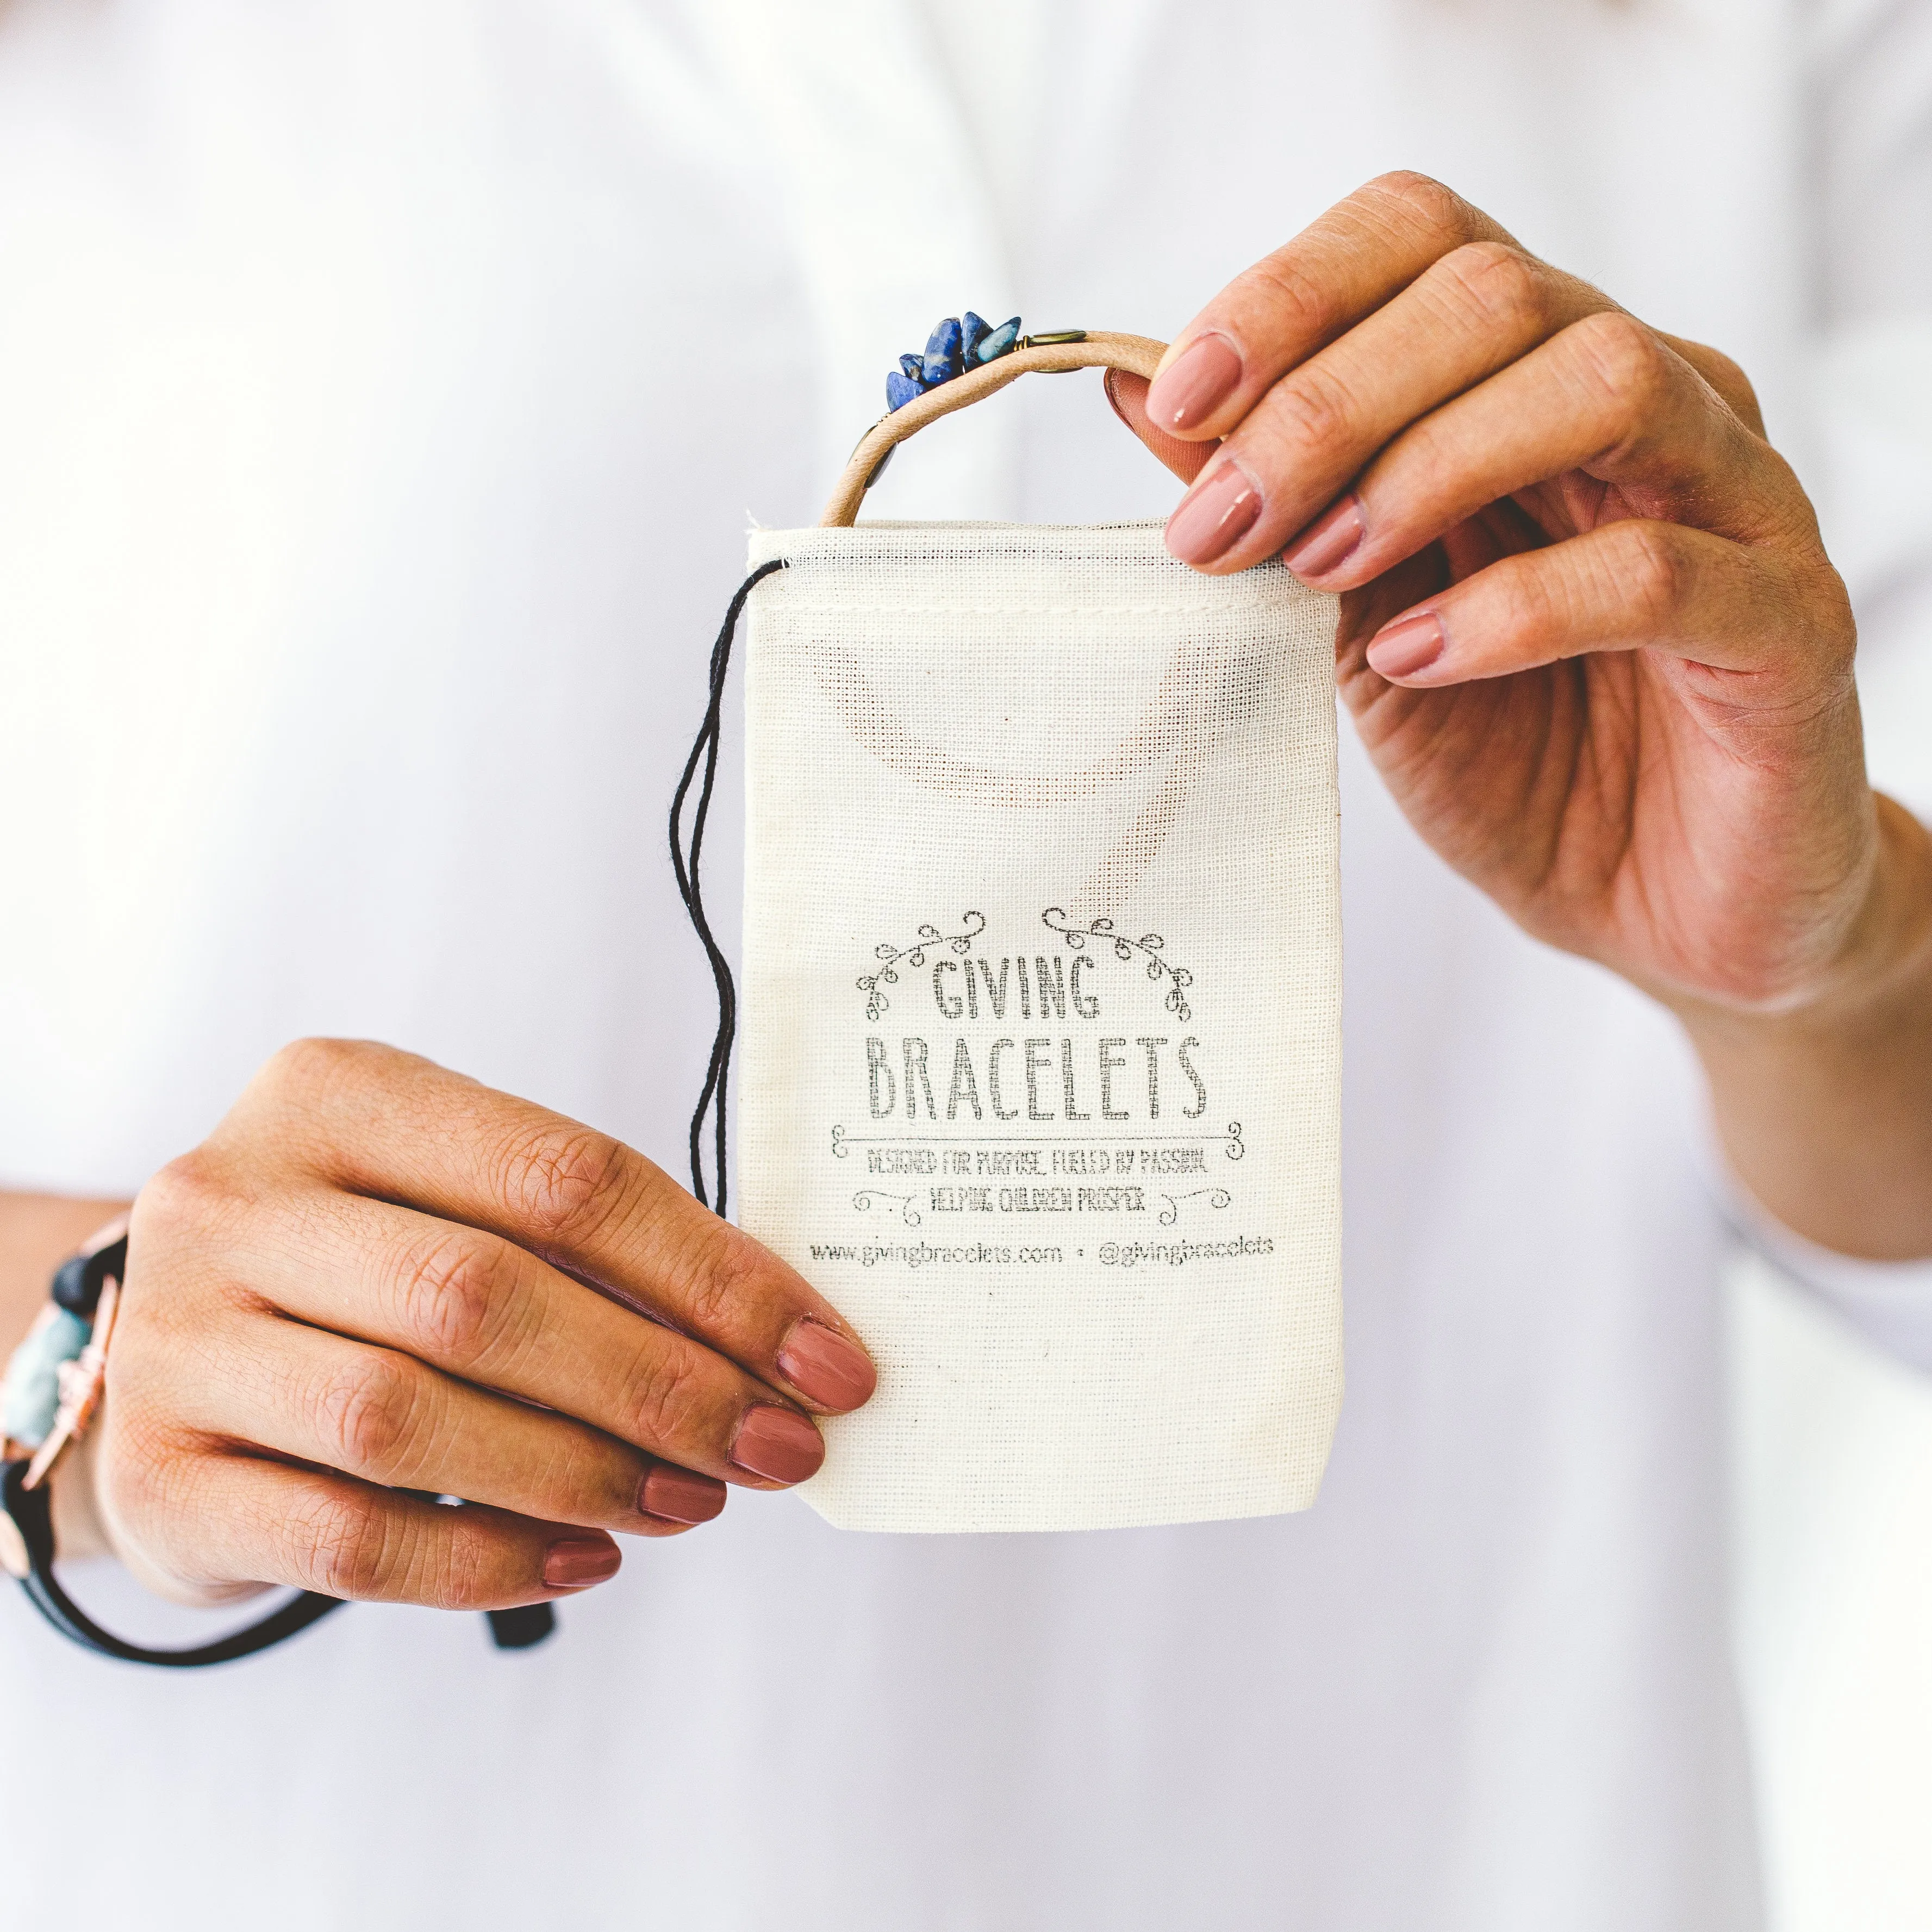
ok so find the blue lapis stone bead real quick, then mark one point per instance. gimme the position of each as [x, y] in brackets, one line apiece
[999, 340]
[913, 366]
[942, 353]
[900, 390]
[974, 330]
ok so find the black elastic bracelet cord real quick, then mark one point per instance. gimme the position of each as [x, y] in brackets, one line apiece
[33, 1516]
[31, 1510]
[520, 1628]
[685, 853]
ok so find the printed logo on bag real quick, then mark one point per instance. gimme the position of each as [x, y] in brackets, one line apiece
[1066, 1123]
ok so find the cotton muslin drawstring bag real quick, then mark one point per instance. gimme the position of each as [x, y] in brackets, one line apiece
[1041, 1003]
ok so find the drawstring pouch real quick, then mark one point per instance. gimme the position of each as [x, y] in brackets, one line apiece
[1041, 1032]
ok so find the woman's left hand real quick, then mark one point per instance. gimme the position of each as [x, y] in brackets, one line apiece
[1590, 635]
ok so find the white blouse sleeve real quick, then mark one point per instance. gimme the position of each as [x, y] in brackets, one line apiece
[1870, 70]
[1890, 1303]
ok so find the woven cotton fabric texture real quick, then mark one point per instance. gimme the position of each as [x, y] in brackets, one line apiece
[1041, 1017]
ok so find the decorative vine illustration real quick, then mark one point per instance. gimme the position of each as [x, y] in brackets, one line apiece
[908, 1213]
[890, 957]
[1217, 1197]
[1149, 945]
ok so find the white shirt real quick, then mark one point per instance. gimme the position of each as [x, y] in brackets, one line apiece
[383, 390]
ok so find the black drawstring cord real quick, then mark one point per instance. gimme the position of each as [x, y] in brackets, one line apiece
[684, 859]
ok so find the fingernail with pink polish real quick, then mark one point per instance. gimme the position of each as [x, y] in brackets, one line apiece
[1329, 542]
[576, 1562]
[1214, 515]
[777, 1443]
[1195, 384]
[679, 1496]
[825, 1367]
[1411, 644]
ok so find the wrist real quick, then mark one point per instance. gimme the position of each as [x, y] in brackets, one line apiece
[1887, 959]
[1881, 970]
[1824, 1106]
[37, 1232]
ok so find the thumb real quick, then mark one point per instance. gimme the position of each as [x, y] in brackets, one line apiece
[1128, 394]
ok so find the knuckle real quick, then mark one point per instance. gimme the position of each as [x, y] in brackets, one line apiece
[1524, 603]
[172, 1503]
[376, 1416]
[1627, 362]
[142, 1367]
[179, 1197]
[1313, 409]
[1733, 388]
[722, 1281]
[457, 1291]
[1296, 305]
[561, 1182]
[188, 1224]
[589, 1478]
[1502, 284]
[663, 1399]
[455, 1569]
[1440, 207]
[1825, 591]
[306, 1098]
[311, 1065]
[346, 1543]
[147, 1473]
[1650, 569]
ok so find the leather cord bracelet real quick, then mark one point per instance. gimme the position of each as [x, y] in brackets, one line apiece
[83, 1302]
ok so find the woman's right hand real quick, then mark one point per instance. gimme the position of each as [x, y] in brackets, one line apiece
[370, 1280]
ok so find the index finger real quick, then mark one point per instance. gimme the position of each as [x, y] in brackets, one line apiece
[398, 1128]
[1364, 251]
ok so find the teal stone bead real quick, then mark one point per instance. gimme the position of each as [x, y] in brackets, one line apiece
[1000, 341]
[30, 1397]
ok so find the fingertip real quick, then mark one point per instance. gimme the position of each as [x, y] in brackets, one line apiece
[1127, 394]
[580, 1561]
[830, 1370]
[1208, 529]
[1328, 544]
[1120, 382]
[778, 1444]
[1404, 651]
[1190, 391]
[680, 1497]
